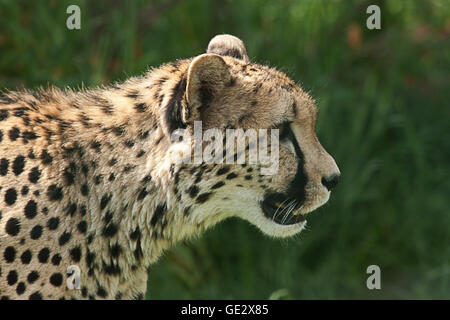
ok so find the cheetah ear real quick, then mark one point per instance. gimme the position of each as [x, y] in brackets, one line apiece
[228, 45]
[207, 76]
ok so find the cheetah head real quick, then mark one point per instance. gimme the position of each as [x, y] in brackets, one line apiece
[222, 90]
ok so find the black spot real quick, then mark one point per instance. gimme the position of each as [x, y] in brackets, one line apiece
[21, 287]
[12, 277]
[128, 168]
[90, 256]
[56, 259]
[9, 254]
[84, 189]
[84, 169]
[140, 107]
[223, 170]
[232, 175]
[129, 143]
[82, 226]
[53, 223]
[146, 179]
[43, 255]
[140, 154]
[248, 177]
[173, 114]
[4, 163]
[136, 234]
[110, 230]
[158, 214]
[32, 276]
[1, 135]
[54, 192]
[96, 146]
[138, 296]
[101, 292]
[29, 135]
[218, 185]
[3, 114]
[46, 157]
[84, 292]
[12, 226]
[115, 250]
[111, 269]
[118, 131]
[69, 177]
[193, 191]
[14, 134]
[36, 232]
[98, 179]
[64, 238]
[203, 197]
[71, 209]
[25, 190]
[142, 194]
[112, 162]
[143, 135]
[19, 112]
[104, 201]
[187, 211]
[10, 196]
[34, 175]
[75, 254]
[56, 279]
[30, 209]
[133, 94]
[118, 296]
[26, 257]
[35, 296]
[36, 193]
[111, 177]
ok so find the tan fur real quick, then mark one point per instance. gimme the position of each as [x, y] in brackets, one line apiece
[98, 160]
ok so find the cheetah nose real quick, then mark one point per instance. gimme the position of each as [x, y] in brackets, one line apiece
[331, 181]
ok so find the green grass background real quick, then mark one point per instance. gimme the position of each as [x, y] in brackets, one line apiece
[384, 114]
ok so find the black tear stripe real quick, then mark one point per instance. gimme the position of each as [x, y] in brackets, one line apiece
[298, 185]
[173, 114]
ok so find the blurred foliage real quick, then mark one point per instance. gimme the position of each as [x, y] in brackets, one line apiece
[383, 99]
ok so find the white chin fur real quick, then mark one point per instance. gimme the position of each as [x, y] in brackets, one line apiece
[271, 228]
[276, 230]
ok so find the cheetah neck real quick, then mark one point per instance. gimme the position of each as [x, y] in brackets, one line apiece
[114, 153]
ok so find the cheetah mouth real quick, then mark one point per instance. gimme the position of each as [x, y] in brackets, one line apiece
[282, 209]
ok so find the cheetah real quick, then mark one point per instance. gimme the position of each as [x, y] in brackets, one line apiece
[87, 180]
